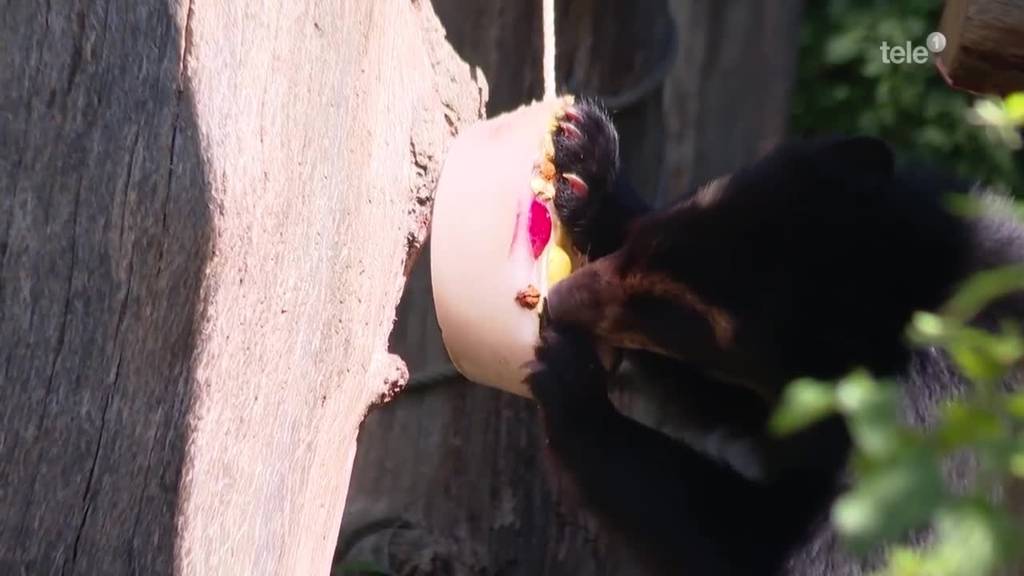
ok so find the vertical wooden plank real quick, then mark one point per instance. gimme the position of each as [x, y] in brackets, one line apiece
[728, 99]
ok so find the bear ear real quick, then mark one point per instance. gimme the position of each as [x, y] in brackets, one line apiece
[862, 158]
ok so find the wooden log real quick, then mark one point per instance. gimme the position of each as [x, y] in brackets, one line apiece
[206, 213]
[984, 50]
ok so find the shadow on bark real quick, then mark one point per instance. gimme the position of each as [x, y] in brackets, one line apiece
[105, 235]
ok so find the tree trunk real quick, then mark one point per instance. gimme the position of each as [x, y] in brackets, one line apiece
[206, 213]
[727, 101]
[449, 478]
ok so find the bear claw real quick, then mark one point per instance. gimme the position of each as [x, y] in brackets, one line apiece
[571, 132]
[578, 186]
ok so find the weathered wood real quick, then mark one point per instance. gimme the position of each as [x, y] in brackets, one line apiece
[206, 210]
[457, 468]
[984, 50]
[728, 99]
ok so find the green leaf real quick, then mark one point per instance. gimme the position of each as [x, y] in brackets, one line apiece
[858, 391]
[1014, 105]
[988, 112]
[1017, 464]
[973, 538]
[984, 356]
[976, 364]
[804, 402]
[890, 500]
[906, 562]
[1015, 404]
[966, 424]
[983, 288]
[873, 415]
[927, 328]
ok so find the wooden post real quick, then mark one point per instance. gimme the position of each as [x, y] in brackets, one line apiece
[206, 212]
[984, 49]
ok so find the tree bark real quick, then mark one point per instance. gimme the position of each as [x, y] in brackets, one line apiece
[450, 478]
[727, 101]
[984, 49]
[206, 213]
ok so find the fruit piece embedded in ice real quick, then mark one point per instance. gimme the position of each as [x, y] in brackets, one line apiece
[540, 227]
[528, 297]
[559, 264]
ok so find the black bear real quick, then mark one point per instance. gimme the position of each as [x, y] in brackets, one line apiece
[808, 262]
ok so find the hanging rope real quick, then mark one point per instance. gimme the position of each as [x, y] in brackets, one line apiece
[549, 48]
[446, 372]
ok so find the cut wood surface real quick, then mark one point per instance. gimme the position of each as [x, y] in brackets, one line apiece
[984, 50]
[206, 213]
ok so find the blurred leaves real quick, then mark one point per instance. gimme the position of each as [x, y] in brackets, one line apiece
[1000, 119]
[972, 538]
[982, 289]
[911, 483]
[1015, 405]
[803, 403]
[872, 413]
[843, 86]
[964, 425]
[982, 356]
[899, 488]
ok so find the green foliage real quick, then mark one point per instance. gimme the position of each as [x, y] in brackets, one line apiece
[899, 486]
[971, 540]
[804, 402]
[844, 87]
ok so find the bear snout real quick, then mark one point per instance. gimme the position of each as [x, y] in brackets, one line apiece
[589, 298]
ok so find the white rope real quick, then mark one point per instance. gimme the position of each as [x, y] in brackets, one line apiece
[549, 48]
